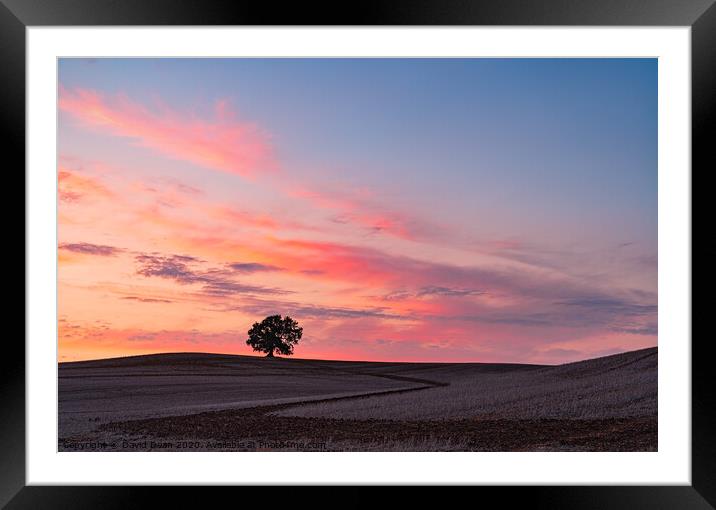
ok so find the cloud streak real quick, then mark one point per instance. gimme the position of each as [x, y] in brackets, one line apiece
[182, 269]
[146, 299]
[252, 267]
[73, 187]
[221, 143]
[362, 209]
[91, 249]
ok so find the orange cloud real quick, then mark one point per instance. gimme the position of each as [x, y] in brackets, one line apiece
[222, 143]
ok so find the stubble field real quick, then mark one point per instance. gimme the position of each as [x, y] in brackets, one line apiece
[207, 402]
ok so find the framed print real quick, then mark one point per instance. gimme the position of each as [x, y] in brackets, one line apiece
[425, 245]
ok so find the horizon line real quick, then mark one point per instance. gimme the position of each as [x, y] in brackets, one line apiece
[353, 361]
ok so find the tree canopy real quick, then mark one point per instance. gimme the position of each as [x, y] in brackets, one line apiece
[275, 334]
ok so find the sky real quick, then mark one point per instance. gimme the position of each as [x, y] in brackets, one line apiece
[456, 210]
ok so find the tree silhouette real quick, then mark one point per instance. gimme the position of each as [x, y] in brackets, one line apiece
[275, 334]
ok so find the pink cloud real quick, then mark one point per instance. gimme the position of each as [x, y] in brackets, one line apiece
[221, 143]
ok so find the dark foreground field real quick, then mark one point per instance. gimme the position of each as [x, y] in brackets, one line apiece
[207, 402]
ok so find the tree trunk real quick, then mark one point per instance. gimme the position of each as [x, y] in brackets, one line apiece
[270, 354]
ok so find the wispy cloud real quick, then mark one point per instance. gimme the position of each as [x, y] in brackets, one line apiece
[362, 208]
[173, 267]
[91, 249]
[610, 305]
[252, 267]
[182, 269]
[146, 299]
[73, 187]
[306, 311]
[432, 290]
[648, 329]
[221, 142]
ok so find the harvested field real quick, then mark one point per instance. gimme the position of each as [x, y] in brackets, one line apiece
[204, 402]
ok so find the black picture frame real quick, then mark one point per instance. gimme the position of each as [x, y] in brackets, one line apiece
[700, 15]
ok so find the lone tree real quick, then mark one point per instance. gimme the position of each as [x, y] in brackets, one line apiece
[275, 334]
